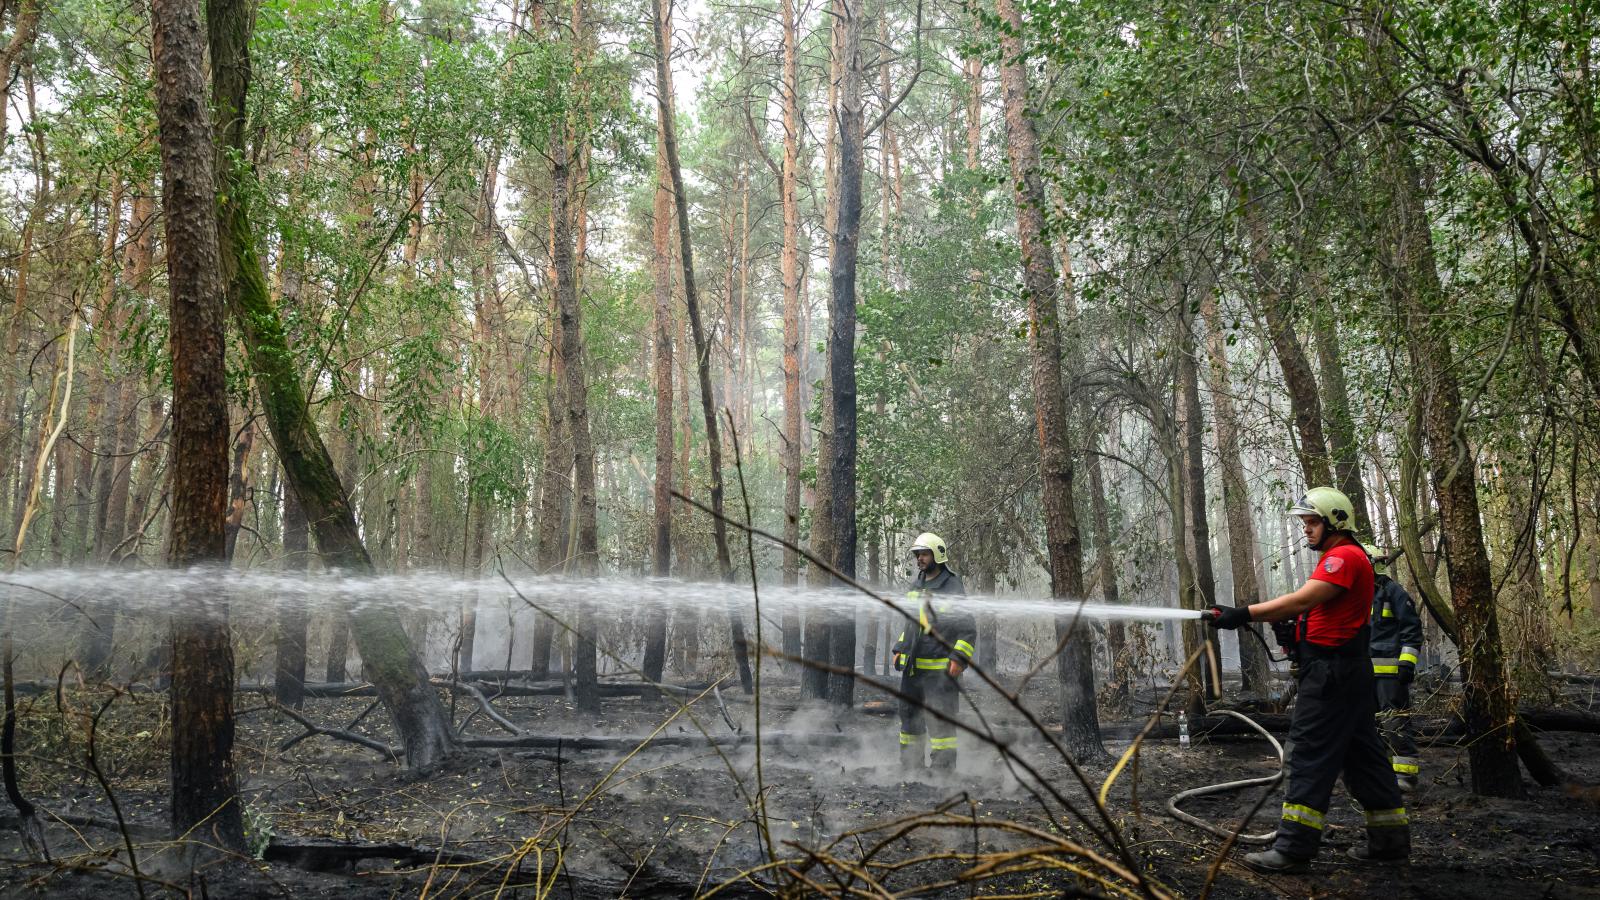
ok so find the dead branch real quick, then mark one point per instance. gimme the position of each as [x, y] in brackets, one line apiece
[313, 729]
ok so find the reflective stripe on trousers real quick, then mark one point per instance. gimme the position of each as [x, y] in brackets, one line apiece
[1387, 818]
[1305, 815]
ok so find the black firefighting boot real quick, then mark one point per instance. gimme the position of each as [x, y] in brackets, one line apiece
[943, 761]
[1388, 837]
[911, 757]
[1372, 857]
[1273, 862]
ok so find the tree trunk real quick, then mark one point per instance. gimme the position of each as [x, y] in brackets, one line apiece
[554, 485]
[1489, 706]
[204, 786]
[1195, 480]
[793, 413]
[24, 27]
[289, 673]
[655, 648]
[1304, 403]
[576, 391]
[1075, 668]
[1170, 434]
[239, 483]
[150, 475]
[1122, 673]
[818, 632]
[1337, 413]
[391, 663]
[842, 257]
[789, 268]
[1254, 672]
[702, 349]
[61, 500]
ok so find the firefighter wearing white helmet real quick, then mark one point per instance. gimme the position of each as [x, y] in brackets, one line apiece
[930, 661]
[1333, 731]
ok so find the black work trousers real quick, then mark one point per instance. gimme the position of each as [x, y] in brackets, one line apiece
[926, 689]
[1334, 732]
[1394, 723]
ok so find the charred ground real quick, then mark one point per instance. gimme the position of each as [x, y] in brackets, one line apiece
[677, 817]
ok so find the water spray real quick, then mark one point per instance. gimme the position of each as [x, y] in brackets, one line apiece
[164, 590]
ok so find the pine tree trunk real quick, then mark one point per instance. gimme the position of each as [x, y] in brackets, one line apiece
[1081, 721]
[554, 492]
[793, 413]
[204, 786]
[576, 392]
[702, 349]
[817, 633]
[842, 257]
[655, 648]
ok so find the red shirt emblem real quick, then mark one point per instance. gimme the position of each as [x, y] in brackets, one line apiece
[1332, 565]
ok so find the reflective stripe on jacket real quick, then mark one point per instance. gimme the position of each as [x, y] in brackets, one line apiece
[938, 611]
[1396, 629]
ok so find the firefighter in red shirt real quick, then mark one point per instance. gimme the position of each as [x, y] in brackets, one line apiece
[1333, 729]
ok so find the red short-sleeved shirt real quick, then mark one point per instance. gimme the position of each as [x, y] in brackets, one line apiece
[1338, 620]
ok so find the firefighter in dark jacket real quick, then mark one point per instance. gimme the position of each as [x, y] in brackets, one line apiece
[1333, 730]
[1396, 646]
[934, 656]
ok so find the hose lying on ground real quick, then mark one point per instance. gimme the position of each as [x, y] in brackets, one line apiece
[1274, 778]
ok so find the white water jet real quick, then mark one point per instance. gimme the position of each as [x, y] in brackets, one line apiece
[155, 590]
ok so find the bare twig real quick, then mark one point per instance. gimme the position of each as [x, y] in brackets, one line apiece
[337, 733]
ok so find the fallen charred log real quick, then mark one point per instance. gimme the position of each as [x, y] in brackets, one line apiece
[330, 855]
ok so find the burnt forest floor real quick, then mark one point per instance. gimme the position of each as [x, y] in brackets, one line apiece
[677, 821]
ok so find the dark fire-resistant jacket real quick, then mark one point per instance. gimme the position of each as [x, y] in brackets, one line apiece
[937, 610]
[1396, 629]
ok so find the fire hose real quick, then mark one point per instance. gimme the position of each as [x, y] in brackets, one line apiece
[1240, 784]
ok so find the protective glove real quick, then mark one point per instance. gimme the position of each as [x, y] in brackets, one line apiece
[957, 667]
[1408, 673]
[1229, 617]
[899, 661]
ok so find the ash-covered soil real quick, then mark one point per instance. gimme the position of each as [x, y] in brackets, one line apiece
[685, 820]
